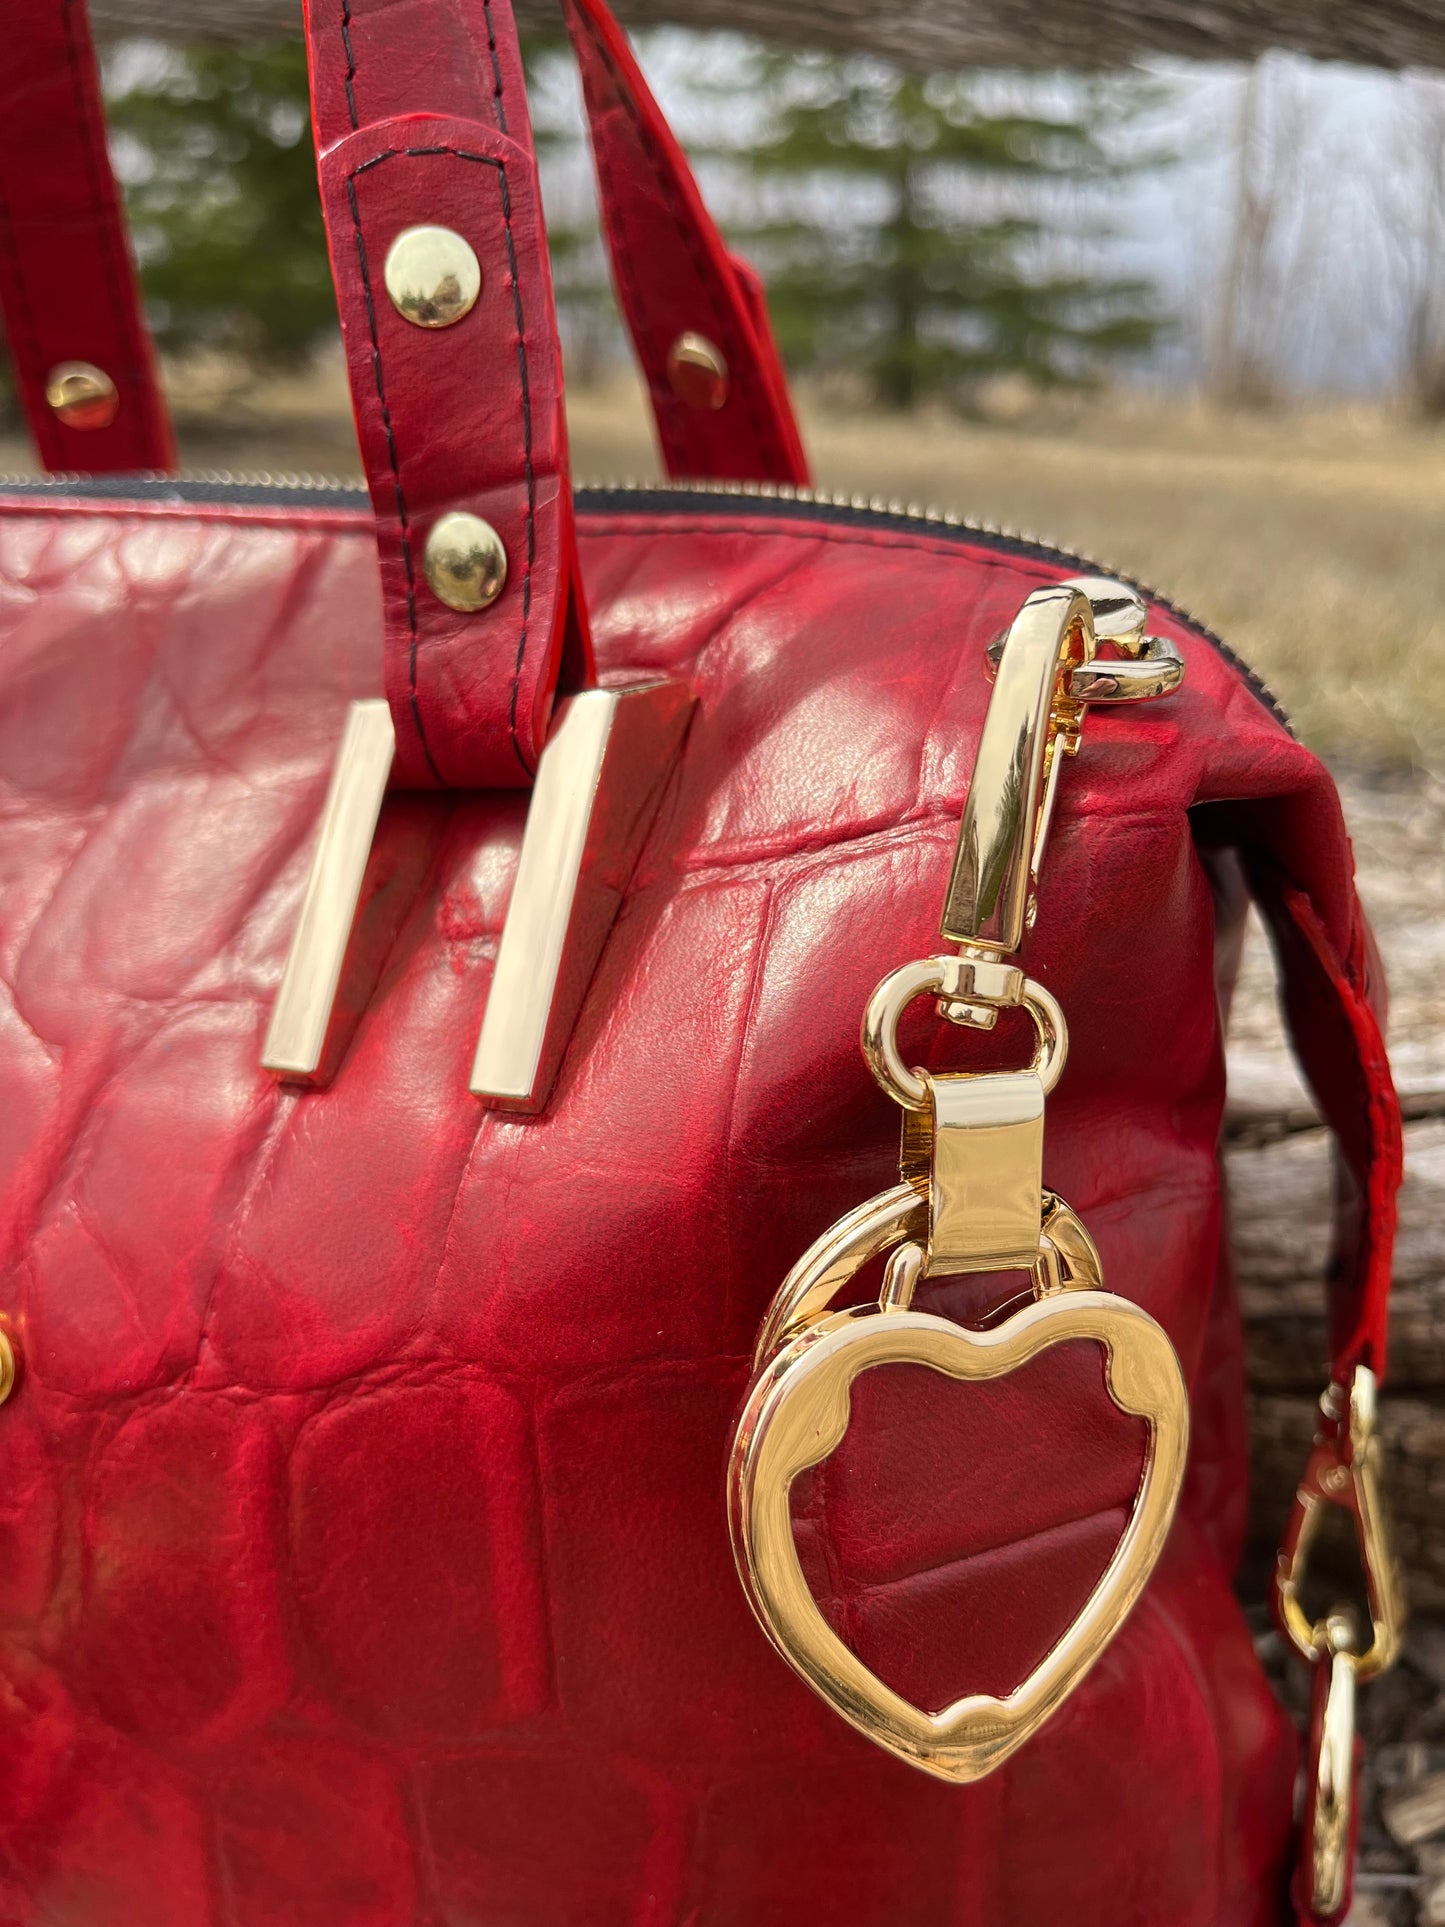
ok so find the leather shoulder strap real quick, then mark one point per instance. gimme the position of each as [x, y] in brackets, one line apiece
[67, 286]
[1333, 993]
[1334, 1005]
[1301, 873]
[1295, 852]
[675, 278]
[421, 120]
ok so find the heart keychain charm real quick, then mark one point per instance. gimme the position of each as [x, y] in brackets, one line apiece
[971, 1200]
[797, 1412]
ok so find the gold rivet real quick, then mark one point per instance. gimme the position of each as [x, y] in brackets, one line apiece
[82, 395]
[432, 275]
[697, 371]
[466, 564]
[7, 1367]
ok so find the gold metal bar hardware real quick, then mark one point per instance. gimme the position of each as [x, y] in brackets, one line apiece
[597, 789]
[1343, 1470]
[301, 1017]
[977, 1154]
[1005, 816]
[598, 786]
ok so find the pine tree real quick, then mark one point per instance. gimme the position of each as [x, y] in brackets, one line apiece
[909, 229]
[220, 189]
[220, 179]
[920, 235]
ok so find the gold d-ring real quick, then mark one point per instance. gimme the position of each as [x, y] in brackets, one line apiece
[954, 979]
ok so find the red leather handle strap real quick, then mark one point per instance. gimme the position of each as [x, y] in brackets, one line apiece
[466, 418]
[674, 276]
[67, 287]
[421, 120]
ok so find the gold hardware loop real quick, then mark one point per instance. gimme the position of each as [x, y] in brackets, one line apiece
[954, 978]
[1150, 666]
[1330, 1788]
[1157, 670]
[1067, 1260]
[1343, 1470]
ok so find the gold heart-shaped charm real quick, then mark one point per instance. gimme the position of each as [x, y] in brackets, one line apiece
[797, 1411]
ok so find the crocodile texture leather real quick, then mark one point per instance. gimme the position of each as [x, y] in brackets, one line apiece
[67, 286]
[362, 1548]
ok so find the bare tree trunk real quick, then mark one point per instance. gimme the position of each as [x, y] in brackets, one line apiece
[898, 363]
[1425, 326]
[1244, 363]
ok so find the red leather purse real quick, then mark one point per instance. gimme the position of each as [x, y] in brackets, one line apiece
[376, 1422]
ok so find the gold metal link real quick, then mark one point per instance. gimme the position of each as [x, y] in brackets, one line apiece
[1330, 1788]
[879, 1034]
[1343, 1470]
[977, 1154]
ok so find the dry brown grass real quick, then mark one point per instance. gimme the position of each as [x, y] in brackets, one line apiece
[1313, 541]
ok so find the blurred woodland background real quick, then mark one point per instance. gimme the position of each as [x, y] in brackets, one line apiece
[1190, 318]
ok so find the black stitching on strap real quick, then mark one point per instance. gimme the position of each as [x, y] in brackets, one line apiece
[350, 63]
[496, 67]
[406, 555]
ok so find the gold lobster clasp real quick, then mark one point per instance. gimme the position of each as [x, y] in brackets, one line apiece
[1343, 1470]
[1047, 673]
[1329, 1811]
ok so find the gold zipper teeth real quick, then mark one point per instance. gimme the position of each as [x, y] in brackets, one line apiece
[738, 491]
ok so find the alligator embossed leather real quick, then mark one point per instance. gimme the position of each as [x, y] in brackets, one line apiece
[362, 1551]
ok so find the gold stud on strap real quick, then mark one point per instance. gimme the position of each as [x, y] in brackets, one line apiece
[466, 564]
[433, 276]
[82, 395]
[697, 371]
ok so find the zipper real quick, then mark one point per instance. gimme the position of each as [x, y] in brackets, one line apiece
[784, 499]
